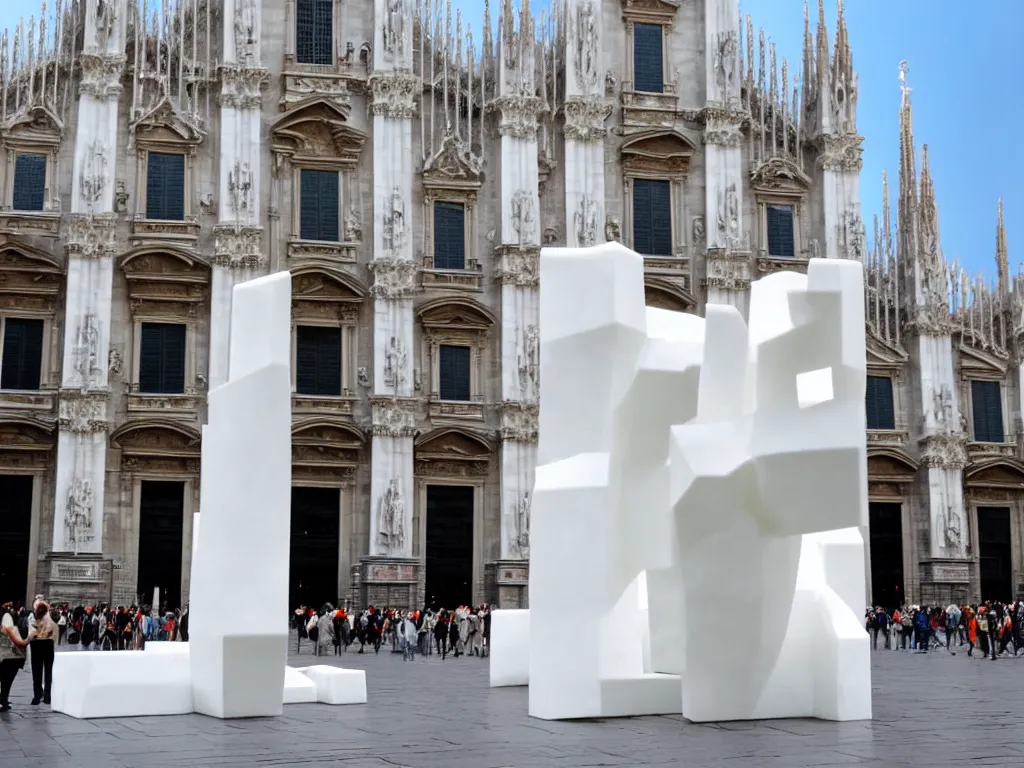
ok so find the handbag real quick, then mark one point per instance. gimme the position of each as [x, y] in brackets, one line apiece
[8, 650]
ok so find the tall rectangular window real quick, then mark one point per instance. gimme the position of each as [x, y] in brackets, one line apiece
[162, 359]
[165, 187]
[318, 206]
[648, 58]
[21, 365]
[652, 217]
[29, 183]
[314, 31]
[781, 241]
[318, 360]
[453, 363]
[987, 406]
[879, 403]
[449, 236]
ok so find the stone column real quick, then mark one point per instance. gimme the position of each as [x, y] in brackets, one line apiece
[238, 235]
[727, 236]
[90, 240]
[392, 491]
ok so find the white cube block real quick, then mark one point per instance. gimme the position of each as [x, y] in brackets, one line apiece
[298, 689]
[510, 648]
[335, 685]
[93, 684]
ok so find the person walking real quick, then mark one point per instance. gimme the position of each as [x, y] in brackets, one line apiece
[42, 641]
[12, 654]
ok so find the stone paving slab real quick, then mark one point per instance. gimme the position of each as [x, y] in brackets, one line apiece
[930, 710]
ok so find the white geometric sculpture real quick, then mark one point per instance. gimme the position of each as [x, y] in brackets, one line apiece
[229, 668]
[727, 465]
[509, 650]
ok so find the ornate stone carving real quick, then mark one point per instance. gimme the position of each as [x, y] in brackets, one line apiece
[521, 543]
[728, 272]
[729, 215]
[114, 362]
[238, 247]
[101, 75]
[393, 278]
[395, 31]
[393, 417]
[301, 88]
[82, 413]
[944, 451]
[396, 362]
[519, 422]
[528, 359]
[518, 266]
[585, 118]
[853, 234]
[519, 115]
[93, 177]
[243, 86]
[699, 236]
[240, 188]
[86, 353]
[724, 129]
[363, 377]
[952, 532]
[841, 153]
[586, 222]
[391, 518]
[91, 237]
[612, 229]
[394, 95]
[395, 230]
[585, 45]
[726, 65]
[245, 31]
[78, 528]
[353, 225]
[779, 173]
[524, 216]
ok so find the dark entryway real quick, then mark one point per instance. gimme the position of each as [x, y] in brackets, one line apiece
[15, 533]
[449, 556]
[161, 534]
[316, 535]
[996, 553]
[886, 541]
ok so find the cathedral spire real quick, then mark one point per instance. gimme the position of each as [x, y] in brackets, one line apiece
[1002, 253]
[906, 210]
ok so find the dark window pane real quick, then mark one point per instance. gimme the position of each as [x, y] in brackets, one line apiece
[317, 360]
[22, 362]
[881, 413]
[449, 236]
[652, 217]
[29, 182]
[318, 206]
[648, 58]
[162, 359]
[987, 407]
[780, 230]
[454, 372]
[314, 31]
[165, 187]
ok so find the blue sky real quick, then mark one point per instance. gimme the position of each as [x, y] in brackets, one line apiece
[963, 71]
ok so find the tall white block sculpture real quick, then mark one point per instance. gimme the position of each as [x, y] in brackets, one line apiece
[246, 502]
[723, 463]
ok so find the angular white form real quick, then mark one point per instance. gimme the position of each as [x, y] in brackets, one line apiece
[723, 463]
[227, 670]
[509, 651]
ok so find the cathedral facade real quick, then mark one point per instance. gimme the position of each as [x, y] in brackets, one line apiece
[407, 175]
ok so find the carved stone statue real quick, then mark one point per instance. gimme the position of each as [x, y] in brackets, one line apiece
[394, 221]
[363, 377]
[245, 30]
[586, 46]
[523, 216]
[114, 362]
[953, 532]
[612, 229]
[586, 222]
[725, 64]
[86, 351]
[93, 180]
[240, 187]
[391, 518]
[394, 29]
[522, 540]
[529, 359]
[106, 19]
[353, 226]
[728, 216]
[78, 514]
[395, 360]
[698, 231]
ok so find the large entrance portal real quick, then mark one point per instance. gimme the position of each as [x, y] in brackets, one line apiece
[886, 542]
[15, 533]
[449, 555]
[315, 541]
[996, 553]
[161, 536]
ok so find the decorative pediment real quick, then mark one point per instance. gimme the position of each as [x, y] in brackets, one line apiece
[452, 166]
[319, 442]
[165, 265]
[453, 445]
[38, 126]
[666, 294]
[317, 130]
[165, 126]
[778, 174]
[881, 354]
[455, 313]
[662, 152]
[25, 433]
[1001, 473]
[30, 279]
[322, 283]
[890, 464]
[650, 11]
[157, 438]
[973, 360]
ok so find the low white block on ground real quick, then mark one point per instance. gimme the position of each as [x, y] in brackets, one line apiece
[121, 684]
[166, 647]
[298, 689]
[510, 647]
[335, 685]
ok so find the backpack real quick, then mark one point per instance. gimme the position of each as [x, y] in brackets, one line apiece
[907, 620]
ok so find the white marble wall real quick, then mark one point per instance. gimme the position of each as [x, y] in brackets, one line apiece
[84, 399]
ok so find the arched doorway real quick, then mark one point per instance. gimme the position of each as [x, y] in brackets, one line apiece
[994, 494]
[890, 479]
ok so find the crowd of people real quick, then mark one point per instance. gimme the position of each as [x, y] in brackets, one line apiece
[465, 631]
[996, 629]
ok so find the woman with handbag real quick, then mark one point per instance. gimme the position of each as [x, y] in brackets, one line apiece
[12, 655]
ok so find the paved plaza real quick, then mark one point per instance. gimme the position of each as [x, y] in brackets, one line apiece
[929, 710]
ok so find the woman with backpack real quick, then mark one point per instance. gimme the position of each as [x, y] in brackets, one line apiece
[12, 655]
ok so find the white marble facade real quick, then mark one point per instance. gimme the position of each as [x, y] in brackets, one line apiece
[541, 130]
